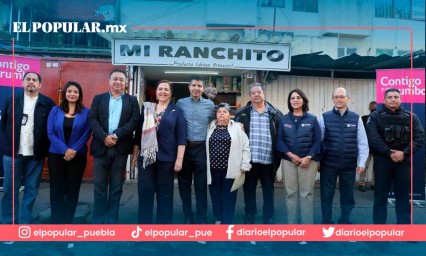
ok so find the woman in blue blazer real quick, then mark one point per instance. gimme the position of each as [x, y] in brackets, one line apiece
[68, 131]
[158, 152]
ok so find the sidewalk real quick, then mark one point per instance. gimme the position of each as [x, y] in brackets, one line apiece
[128, 214]
[361, 214]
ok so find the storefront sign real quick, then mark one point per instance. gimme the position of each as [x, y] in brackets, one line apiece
[198, 54]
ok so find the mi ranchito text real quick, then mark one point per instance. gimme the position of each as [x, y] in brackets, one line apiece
[66, 27]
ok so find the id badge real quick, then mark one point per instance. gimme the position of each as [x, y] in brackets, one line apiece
[24, 119]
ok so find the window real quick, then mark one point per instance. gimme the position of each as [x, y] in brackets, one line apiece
[343, 51]
[406, 9]
[274, 3]
[380, 51]
[390, 52]
[305, 5]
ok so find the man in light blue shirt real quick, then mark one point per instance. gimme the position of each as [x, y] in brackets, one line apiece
[198, 112]
[345, 151]
[114, 116]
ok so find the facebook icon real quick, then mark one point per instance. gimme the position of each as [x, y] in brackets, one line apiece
[229, 231]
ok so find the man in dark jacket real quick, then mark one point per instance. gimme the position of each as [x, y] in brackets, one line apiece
[29, 123]
[261, 121]
[114, 116]
[389, 134]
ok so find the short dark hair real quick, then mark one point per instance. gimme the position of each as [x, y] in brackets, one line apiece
[166, 82]
[64, 102]
[196, 78]
[305, 106]
[118, 70]
[31, 72]
[391, 90]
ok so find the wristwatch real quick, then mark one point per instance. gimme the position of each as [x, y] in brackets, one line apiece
[310, 157]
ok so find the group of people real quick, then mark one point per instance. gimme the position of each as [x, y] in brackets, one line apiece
[205, 147]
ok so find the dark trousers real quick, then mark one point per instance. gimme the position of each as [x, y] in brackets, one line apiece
[328, 179]
[266, 175]
[155, 179]
[195, 162]
[65, 180]
[388, 172]
[223, 200]
[108, 177]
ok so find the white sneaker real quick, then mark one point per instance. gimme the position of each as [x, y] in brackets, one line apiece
[253, 242]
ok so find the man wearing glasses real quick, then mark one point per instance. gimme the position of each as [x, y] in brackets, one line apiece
[345, 150]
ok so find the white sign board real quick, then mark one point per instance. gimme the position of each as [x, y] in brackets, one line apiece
[199, 54]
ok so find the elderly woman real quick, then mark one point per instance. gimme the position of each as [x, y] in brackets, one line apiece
[299, 139]
[228, 154]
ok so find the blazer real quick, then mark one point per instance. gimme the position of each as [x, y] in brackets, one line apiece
[98, 121]
[41, 112]
[170, 134]
[79, 135]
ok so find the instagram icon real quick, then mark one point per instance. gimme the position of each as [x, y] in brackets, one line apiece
[24, 232]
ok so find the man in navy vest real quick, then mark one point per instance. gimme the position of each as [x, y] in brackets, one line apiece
[345, 150]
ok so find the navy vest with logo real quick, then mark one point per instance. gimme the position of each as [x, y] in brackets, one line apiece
[299, 136]
[340, 140]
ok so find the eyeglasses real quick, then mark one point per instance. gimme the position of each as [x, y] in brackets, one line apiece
[339, 97]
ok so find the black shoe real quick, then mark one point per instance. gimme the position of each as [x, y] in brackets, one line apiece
[371, 187]
[268, 221]
[189, 220]
[362, 188]
[249, 218]
[344, 221]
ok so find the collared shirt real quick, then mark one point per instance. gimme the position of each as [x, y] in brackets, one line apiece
[198, 114]
[363, 149]
[260, 137]
[115, 107]
[26, 143]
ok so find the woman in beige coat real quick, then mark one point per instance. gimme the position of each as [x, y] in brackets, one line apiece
[228, 154]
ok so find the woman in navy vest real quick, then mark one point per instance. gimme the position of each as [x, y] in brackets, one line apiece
[299, 140]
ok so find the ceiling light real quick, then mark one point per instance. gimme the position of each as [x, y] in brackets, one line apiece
[194, 72]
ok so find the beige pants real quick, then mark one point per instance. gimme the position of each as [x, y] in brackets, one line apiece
[368, 175]
[299, 182]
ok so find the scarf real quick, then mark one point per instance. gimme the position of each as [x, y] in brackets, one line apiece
[149, 144]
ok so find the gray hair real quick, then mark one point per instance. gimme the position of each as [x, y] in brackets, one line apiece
[257, 85]
[223, 105]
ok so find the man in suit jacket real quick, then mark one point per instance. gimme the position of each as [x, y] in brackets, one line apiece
[114, 116]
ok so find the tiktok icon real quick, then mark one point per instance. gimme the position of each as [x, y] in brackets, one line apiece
[135, 233]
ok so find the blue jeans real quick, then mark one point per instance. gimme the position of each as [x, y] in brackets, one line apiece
[328, 179]
[108, 178]
[28, 170]
[223, 200]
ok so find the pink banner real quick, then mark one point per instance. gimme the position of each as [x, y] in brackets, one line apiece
[15, 69]
[411, 83]
[212, 233]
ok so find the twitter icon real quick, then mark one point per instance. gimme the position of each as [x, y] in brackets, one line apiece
[328, 232]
